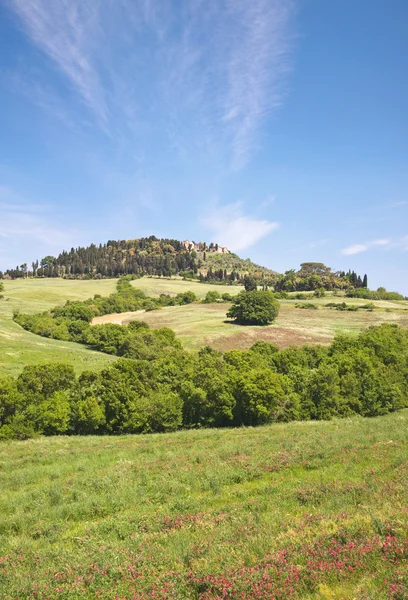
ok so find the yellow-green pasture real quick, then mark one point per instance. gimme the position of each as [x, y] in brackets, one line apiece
[198, 325]
[19, 348]
[154, 286]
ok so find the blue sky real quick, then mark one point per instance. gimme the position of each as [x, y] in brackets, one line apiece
[276, 127]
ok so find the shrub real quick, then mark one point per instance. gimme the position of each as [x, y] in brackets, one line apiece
[308, 306]
[136, 326]
[185, 298]
[212, 297]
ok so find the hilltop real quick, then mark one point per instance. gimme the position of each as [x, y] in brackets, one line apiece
[146, 256]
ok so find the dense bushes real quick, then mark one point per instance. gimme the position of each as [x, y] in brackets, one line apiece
[380, 294]
[158, 386]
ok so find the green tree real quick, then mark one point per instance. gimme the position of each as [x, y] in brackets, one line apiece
[254, 308]
[264, 396]
[250, 283]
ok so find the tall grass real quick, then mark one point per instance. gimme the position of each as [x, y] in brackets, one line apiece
[301, 510]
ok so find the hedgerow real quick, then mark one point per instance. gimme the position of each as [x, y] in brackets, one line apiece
[158, 386]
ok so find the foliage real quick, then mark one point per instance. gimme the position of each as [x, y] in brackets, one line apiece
[185, 298]
[212, 297]
[380, 294]
[71, 322]
[144, 256]
[254, 308]
[157, 386]
[318, 278]
[307, 305]
[250, 284]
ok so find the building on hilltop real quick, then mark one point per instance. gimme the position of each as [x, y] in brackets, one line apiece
[202, 247]
[191, 245]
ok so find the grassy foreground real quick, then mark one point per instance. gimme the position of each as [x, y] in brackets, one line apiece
[304, 510]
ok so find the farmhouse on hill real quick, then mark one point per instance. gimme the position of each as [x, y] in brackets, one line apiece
[202, 247]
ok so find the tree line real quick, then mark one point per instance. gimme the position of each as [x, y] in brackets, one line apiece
[313, 275]
[157, 386]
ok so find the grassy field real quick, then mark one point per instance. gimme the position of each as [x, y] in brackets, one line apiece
[301, 510]
[154, 286]
[196, 325]
[19, 348]
[205, 324]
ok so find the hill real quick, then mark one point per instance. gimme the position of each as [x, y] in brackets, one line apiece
[311, 511]
[200, 261]
[145, 256]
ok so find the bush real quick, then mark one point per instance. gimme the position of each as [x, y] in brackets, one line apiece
[212, 297]
[254, 308]
[185, 298]
[75, 311]
[136, 326]
[308, 306]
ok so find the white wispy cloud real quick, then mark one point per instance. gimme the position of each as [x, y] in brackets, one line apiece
[354, 249]
[63, 31]
[230, 227]
[256, 67]
[380, 242]
[358, 248]
[221, 66]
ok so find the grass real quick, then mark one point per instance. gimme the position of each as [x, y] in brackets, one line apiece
[198, 325]
[19, 348]
[301, 510]
[154, 286]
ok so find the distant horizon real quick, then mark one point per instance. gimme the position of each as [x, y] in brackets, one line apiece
[208, 244]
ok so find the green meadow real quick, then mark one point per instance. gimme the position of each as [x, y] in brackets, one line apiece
[19, 348]
[311, 510]
[195, 324]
